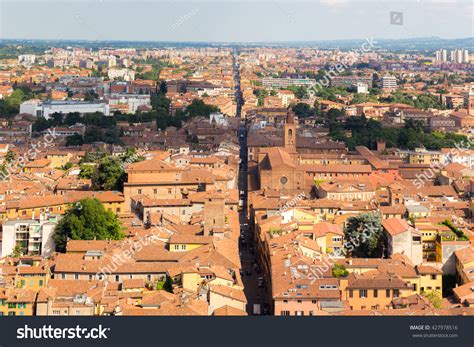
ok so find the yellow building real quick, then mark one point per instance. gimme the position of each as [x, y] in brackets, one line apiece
[17, 302]
[429, 232]
[430, 279]
[32, 277]
[185, 243]
[58, 159]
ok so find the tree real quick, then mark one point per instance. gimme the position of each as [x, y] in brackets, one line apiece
[302, 110]
[163, 87]
[41, 124]
[87, 170]
[87, 220]
[160, 101]
[165, 285]
[110, 174]
[434, 298]
[198, 108]
[92, 134]
[364, 236]
[17, 251]
[74, 140]
[339, 271]
[72, 118]
[10, 156]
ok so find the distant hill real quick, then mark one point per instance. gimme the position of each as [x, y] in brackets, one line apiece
[413, 44]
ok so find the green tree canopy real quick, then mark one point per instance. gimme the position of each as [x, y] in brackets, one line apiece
[363, 235]
[110, 174]
[87, 220]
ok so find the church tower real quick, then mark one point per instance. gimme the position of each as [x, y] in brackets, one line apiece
[469, 101]
[290, 132]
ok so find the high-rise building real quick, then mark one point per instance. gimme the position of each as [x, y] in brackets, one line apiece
[465, 57]
[389, 82]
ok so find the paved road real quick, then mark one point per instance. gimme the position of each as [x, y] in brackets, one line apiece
[248, 258]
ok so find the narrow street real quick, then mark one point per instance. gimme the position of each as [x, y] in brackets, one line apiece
[254, 285]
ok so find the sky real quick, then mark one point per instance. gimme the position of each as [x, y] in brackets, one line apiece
[234, 21]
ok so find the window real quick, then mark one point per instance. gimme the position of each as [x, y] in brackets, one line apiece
[155, 191]
[76, 276]
[285, 301]
[299, 301]
[139, 191]
[78, 312]
[396, 293]
[299, 313]
[285, 313]
[387, 293]
[11, 305]
[283, 180]
[376, 293]
[169, 190]
[351, 293]
[11, 313]
[117, 278]
[433, 277]
[313, 301]
[56, 312]
[311, 313]
[176, 247]
[183, 247]
[363, 293]
[63, 276]
[40, 283]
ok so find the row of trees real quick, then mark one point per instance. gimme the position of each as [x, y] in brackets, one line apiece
[359, 130]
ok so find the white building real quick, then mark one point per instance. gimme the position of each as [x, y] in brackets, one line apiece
[404, 239]
[133, 101]
[125, 74]
[27, 59]
[362, 88]
[47, 108]
[389, 82]
[35, 236]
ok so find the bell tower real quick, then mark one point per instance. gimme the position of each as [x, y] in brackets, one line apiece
[290, 132]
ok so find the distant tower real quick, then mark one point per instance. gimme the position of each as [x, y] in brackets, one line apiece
[469, 100]
[290, 132]
[445, 82]
[381, 143]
